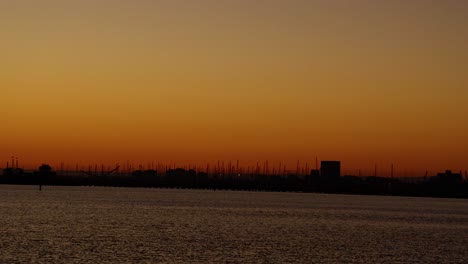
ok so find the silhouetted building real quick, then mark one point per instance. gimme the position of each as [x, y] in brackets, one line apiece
[448, 177]
[12, 171]
[8, 172]
[315, 173]
[330, 169]
[45, 171]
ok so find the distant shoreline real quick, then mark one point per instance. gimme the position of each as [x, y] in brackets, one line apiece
[328, 180]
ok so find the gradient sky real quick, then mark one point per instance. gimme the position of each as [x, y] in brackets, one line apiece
[360, 81]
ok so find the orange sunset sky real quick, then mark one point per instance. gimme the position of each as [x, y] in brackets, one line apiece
[365, 82]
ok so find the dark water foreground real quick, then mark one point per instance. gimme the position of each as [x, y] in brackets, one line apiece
[123, 225]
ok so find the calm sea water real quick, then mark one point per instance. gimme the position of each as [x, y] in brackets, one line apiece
[121, 225]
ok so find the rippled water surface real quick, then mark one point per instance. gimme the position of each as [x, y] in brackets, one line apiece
[121, 225]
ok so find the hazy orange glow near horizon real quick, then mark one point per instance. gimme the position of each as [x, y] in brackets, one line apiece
[190, 82]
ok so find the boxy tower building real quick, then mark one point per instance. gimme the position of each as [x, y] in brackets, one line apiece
[330, 169]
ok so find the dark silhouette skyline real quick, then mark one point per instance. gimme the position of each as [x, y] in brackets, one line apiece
[326, 180]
